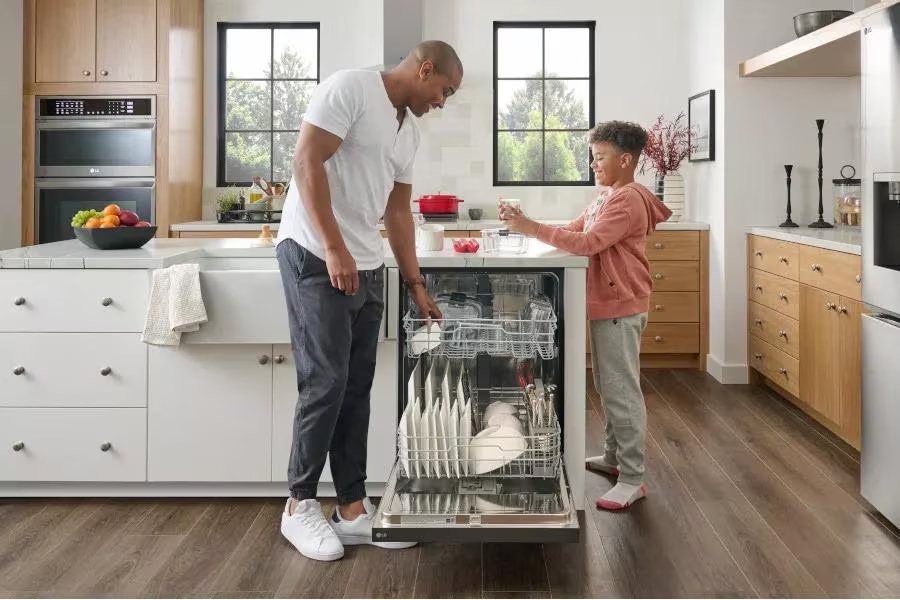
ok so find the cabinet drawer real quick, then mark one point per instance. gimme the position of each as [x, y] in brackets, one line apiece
[673, 245]
[775, 365]
[775, 292]
[832, 271]
[73, 444]
[775, 328]
[674, 307]
[774, 256]
[675, 276]
[90, 300]
[73, 369]
[671, 338]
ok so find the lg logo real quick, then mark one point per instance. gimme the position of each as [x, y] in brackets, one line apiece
[94, 171]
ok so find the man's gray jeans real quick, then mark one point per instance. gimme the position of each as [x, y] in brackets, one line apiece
[334, 338]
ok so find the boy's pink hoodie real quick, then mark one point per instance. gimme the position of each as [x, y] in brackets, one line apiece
[618, 279]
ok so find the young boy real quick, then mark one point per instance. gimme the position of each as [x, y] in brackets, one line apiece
[612, 231]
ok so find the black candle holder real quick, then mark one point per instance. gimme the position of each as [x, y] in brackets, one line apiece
[820, 223]
[788, 222]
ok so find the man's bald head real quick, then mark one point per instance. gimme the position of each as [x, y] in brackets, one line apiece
[441, 54]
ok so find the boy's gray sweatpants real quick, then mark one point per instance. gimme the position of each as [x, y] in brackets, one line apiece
[615, 355]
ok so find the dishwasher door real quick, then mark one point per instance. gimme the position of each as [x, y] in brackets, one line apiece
[880, 451]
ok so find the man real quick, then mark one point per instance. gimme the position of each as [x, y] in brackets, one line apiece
[352, 164]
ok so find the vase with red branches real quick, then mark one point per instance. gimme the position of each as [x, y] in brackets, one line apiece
[668, 145]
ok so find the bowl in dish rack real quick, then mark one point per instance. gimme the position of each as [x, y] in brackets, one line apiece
[114, 238]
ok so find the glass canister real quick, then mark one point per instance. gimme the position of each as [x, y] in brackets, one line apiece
[847, 198]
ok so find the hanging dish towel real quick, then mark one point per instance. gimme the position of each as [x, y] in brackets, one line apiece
[175, 306]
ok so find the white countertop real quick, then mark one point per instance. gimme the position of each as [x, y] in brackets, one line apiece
[845, 239]
[163, 252]
[453, 225]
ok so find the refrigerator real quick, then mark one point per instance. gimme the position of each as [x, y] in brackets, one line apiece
[482, 406]
[880, 450]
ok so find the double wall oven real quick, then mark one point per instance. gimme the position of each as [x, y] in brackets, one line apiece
[91, 151]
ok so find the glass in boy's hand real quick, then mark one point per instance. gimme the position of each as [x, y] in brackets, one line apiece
[516, 221]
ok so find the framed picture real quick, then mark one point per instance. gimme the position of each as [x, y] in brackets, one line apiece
[702, 126]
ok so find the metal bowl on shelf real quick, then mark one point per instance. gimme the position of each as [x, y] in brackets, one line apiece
[811, 21]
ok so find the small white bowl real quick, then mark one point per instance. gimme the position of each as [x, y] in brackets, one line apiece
[498, 408]
[494, 448]
[506, 420]
[425, 338]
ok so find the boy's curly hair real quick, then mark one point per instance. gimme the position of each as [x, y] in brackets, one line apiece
[624, 135]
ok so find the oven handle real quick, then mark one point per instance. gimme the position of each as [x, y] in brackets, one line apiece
[98, 124]
[83, 182]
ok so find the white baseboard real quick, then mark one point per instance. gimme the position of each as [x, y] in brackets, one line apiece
[735, 373]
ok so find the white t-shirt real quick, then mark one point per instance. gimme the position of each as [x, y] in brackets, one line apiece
[354, 105]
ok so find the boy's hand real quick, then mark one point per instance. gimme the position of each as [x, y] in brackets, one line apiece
[516, 221]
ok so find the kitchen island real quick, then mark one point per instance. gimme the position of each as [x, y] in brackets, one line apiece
[87, 408]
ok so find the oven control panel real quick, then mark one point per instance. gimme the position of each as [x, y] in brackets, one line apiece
[95, 107]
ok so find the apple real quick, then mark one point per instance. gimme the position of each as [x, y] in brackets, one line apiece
[128, 218]
[142, 224]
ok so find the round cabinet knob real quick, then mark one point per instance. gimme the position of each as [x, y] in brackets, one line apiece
[782, 296]
[18, 446]
[658, 338]
[105, 371]
[758, 288]
[783, 259]
[782, 333]
[20, 370]
[830, 306]
[758, 356]
[658, 245]
[19, 301]
[758, 253]
[658, 307]
[758, 322]
[859, 279]
[817, 267]
[279, 358]
[104, 73]
[105, 446]
[783, 371]
[263, 359]
[86, 73]
[842, 310]
[106, 301]
[657, 276]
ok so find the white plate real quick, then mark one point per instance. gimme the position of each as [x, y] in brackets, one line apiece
[424, 447]
[453, 439]
[446, 442]
[495, 447]
[413, 423]
[425, 338]
[434, 454]
[403, 438]
[465, 437]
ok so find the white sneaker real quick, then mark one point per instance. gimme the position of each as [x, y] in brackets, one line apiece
[309, 532]
[359, 530]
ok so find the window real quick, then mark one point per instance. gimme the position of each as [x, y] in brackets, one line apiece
[267, 72]
[543, 102]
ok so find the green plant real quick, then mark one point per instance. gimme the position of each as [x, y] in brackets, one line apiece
[227, 199]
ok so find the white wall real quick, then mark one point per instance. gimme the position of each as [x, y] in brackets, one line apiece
[640, 72]
[350, 36]
[11, 27]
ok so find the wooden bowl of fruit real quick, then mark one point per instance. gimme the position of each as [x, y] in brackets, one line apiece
[111, 229]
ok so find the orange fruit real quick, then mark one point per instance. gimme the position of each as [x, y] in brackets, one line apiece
[112, 209]
[107, 225]
[93, 223]
[113, 220]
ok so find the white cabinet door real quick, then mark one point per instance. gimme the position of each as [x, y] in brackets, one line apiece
[209, 413]
[73, 369]
[382, 419]
[73, 444]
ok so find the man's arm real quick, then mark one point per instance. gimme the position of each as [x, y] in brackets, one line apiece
[314, 147]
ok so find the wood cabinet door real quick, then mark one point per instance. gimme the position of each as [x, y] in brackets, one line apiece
[126, 40]
[850, 367]
[820, 344]
[65, 36]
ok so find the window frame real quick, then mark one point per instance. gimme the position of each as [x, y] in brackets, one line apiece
[591, 78]
[222, 28]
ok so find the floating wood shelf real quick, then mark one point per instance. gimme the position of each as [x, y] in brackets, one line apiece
[832, 51]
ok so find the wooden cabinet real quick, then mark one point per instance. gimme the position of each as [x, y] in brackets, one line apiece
[95, 40]
[804, 322]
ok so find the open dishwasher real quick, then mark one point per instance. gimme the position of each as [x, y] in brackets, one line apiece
[481, 403]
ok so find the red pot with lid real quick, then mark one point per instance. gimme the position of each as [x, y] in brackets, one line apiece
[438, 203]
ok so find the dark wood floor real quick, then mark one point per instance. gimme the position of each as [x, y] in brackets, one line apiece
[747, 498]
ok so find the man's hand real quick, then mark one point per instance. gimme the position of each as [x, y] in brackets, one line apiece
[516, 221]
[342, 270]
[427, 308]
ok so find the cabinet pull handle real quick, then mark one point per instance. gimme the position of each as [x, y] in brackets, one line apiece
[657, 276]
[842, 310]
[782, 296]
[817, 267]
[658, 338]
[105, 371]
[783, 371]
[758, 322]
[758, 356]
[106, 301]
[759, 253]
[783, 259]
[105, 446]
[658, 307]
[20, 370]
[658, 245]
[18, 446]
[86, 73]
[104, 73]
[830, 306]
[279, 358]
[263, 359]
[859, 279]
[758, 288]
[19, 301]
[783, 334]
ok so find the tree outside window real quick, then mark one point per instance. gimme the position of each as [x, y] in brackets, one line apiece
[543, 102]
[267, 72]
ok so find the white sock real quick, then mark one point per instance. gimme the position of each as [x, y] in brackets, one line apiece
[621, 496]
[599, 463]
